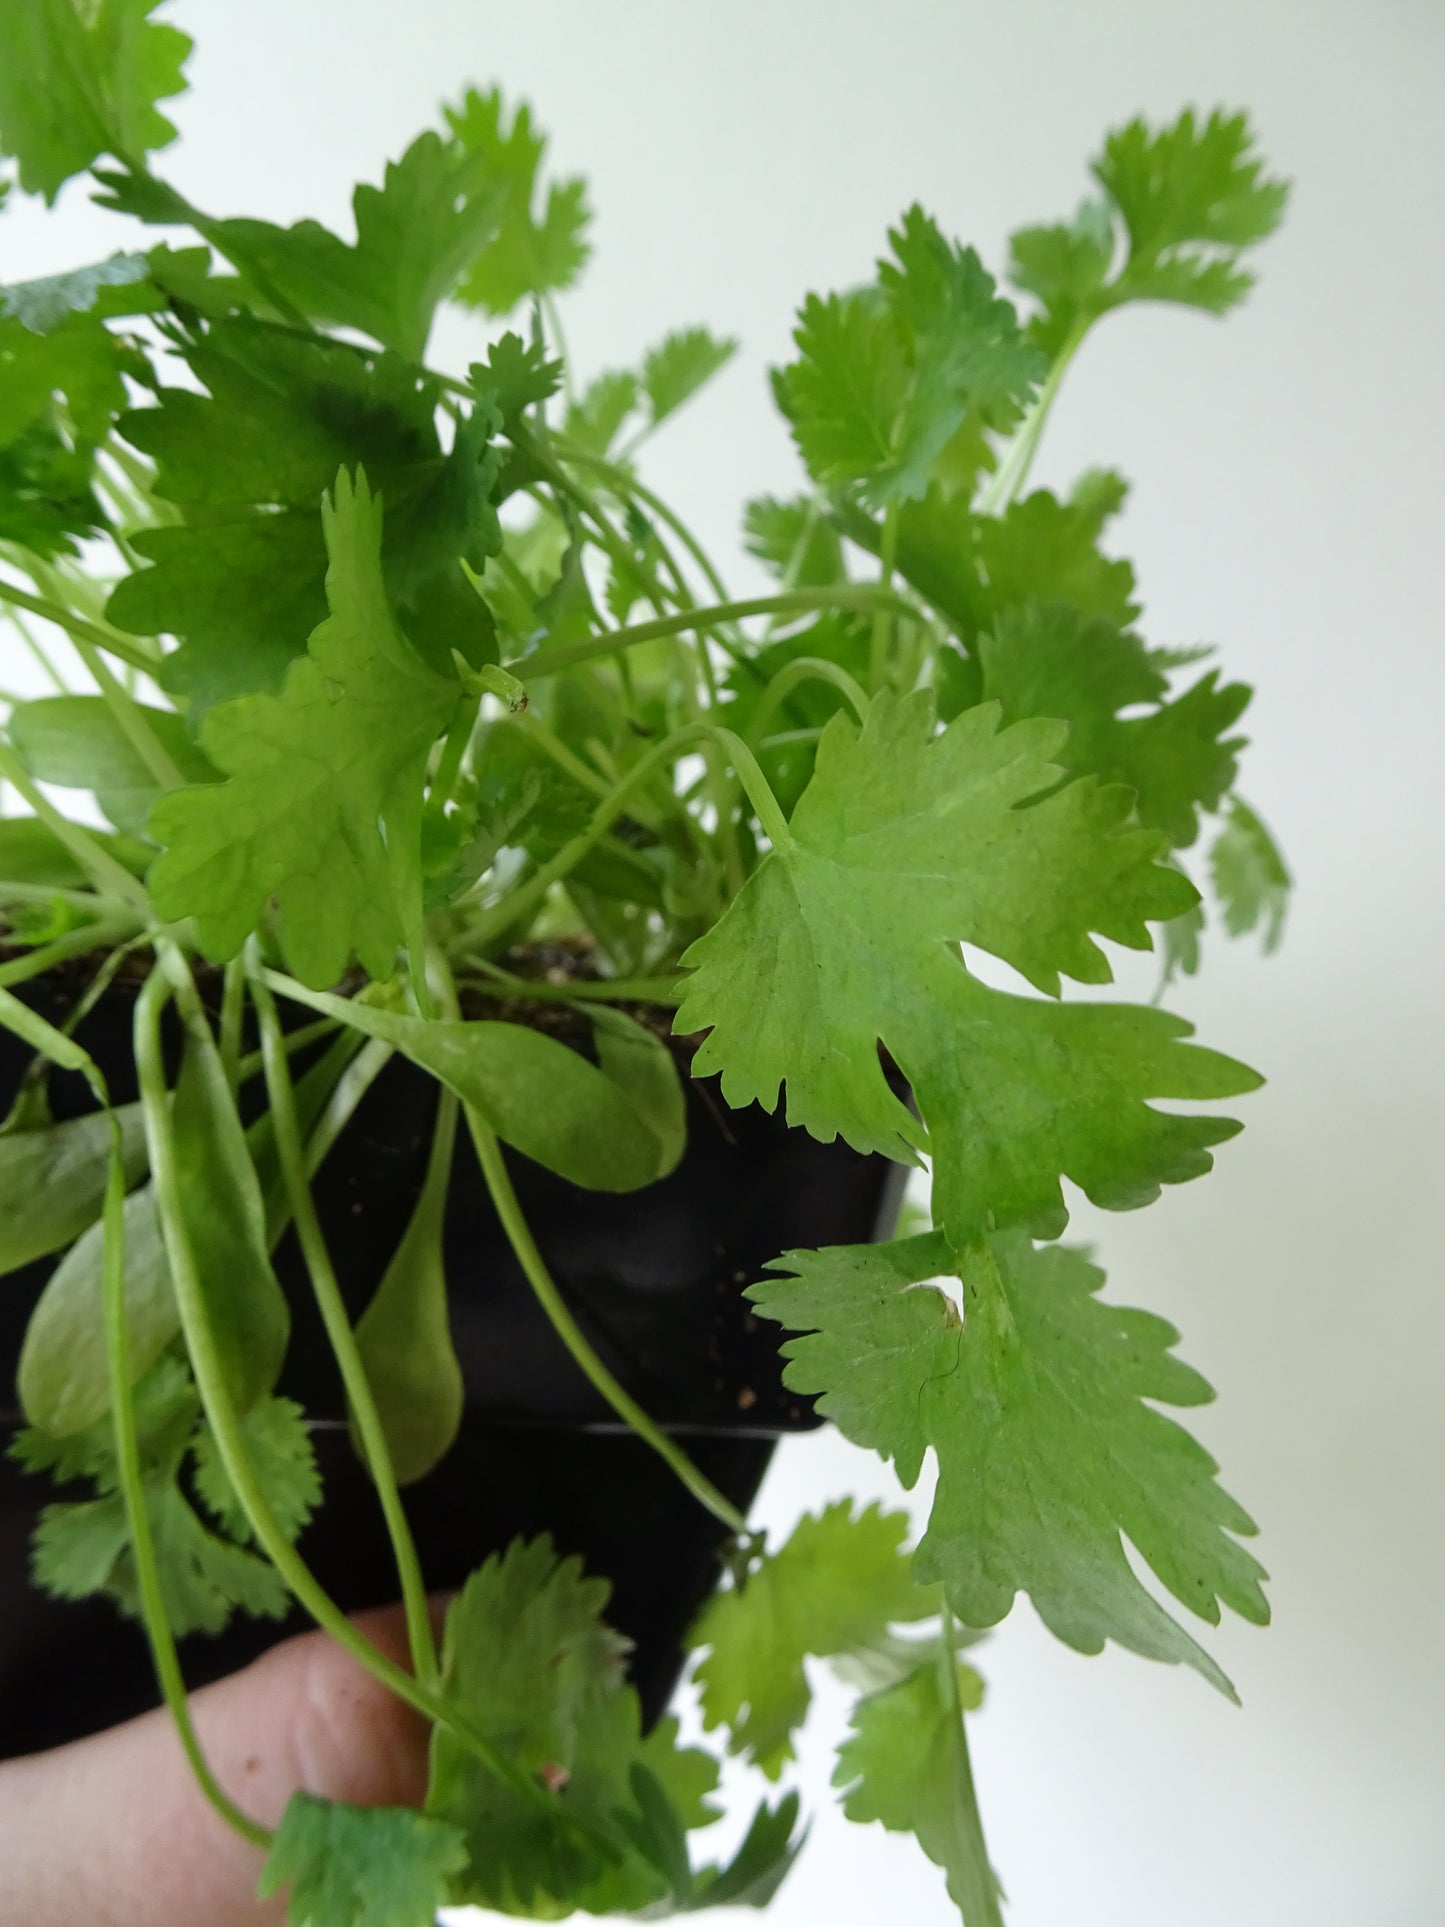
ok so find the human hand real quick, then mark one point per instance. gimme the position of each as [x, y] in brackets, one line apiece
[112, 1831]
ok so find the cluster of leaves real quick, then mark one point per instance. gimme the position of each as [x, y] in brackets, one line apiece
[438, 668]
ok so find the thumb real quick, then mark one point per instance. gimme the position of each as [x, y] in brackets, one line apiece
[113, 1831]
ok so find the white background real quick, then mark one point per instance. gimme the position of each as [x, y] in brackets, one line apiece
[1287, 507]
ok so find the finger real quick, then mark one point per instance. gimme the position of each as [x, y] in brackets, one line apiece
[113, 1831]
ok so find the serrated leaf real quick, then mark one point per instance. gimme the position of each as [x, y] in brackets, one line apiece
[595, 420]
[837, 1584]
[535, 1669]
[82, 1547]
[1035, 1406]
[43, 304]
[516, 376]
[796, 540]
[352, 1866]
[683, 362]
[279, 1451]
[433, 217]
[903, 845]
[886, 376]
[315, 774]
[1050, 660]
[78, 81]
[531, 252]
[1249, 877]
[906, 1765]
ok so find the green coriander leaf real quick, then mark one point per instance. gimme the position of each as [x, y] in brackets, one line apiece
[31, 852]
[529, 253]
[837, 1584]
[81, 80]
[515, 376]
[1065, 266]
[887, 376]
[1034, 1403]
[595, 420]
[288, 411]
[531, 1663]
[47, 501]
[360, 1866]
[278, 1448]
[316, 773]
[682, 363]
[796, 540]
[1249, 877]
[433, 217]
[1193, 196]
[907, 1766]
[1179, 941]
[244, 595]
[1051, 660]
[43, 304]
[83, 1547]
[760, 1865]
[903, 845]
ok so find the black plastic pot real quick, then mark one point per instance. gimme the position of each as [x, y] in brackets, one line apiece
[654, 1278]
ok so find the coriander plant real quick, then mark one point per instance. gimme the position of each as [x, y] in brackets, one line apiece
[394, 674]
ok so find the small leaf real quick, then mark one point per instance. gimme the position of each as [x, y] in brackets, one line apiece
[52, 1181]
[638, 1062]
[279, 1451]
[44, 303]
[224, 1217]
[404, 1335]
[537, 1094]
[361, 1866]
[1249, 877]
[673, 372]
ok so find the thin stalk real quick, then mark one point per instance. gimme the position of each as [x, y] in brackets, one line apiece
[233, 1014]
[352, 1085]
[92, 900]
[882, 639]
[805, 669]
[625, 484]
[987, 1913]
[552, 321]
[858, 595]
[292, 1156]
[509, 1211]
[38, 650]
[666, 991]
[110, 877]
[78, 626]
[224, 1420]
[296, 1040]
[75, 943]
[132, 1486]
[131, 718]
[454, 749]
[1013, 471]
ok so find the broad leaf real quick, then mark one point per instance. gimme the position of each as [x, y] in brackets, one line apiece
[1034, 1403]
[76, 742]
[907, 1766]
[323, 810]
[837, 1585]
[352, 1866]
[78, 81]
[903, 845]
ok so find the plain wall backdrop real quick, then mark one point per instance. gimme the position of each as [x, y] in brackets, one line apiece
[1287, 506]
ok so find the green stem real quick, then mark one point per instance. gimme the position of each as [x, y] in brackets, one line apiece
[233, 1013]
[78, 627]
[110, 877]
[130, 718]
[296, 1040]
[624, 484]
[805, 669]
[985, 1910]
[859, 595]
[882, 626]
[509, 1211]
[222, 1415]
[666, 991]
[75, 943]
[132, 1485]
[449, 767]
[1013, 471]
[37, 649]
[292, 1156]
